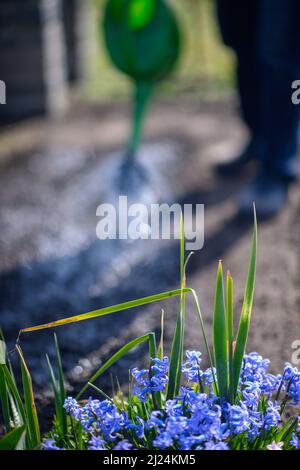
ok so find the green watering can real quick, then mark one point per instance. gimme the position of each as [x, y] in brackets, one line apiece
[143, 41]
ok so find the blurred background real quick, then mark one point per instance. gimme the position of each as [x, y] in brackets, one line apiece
[57, 45]
[63, 132]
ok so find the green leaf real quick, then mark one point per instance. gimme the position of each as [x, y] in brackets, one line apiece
[103, 394]
[107, 310]
[16, 417]
[160, 351]
[182, 241]
[10, 382]
[175, 359]
[31, 413]
[220, 336]
[11, 440]
[153, 354]
[176, 355]
[211, 362]
[2, 352]
[4, 399]
[120, 353]
[230, 333]
[126, 306]
[57, 398]
[152, 345]
[244, 323]
[286, 433]
[61, 382]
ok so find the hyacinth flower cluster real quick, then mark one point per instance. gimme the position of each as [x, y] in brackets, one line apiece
[197, 419]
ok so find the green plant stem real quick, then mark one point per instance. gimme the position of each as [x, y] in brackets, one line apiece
[150, 337]
[176, 356]
[220, 336]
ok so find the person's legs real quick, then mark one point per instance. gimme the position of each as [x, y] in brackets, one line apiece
[238, 24]
[279, 118]
[279, 53]
[249, 87]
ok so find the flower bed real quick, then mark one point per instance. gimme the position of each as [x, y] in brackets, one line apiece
[196, 419]
[236, 403]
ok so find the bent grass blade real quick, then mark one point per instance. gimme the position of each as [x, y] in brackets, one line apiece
[105, 311]
[150, 337]
[126, 306]
[177, 345]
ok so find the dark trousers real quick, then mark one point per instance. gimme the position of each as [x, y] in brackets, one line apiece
[265, 35]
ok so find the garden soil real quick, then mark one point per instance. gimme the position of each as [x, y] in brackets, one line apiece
[54, 174]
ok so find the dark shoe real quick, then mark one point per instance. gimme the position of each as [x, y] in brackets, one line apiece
[234, 166]
[267, 192]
